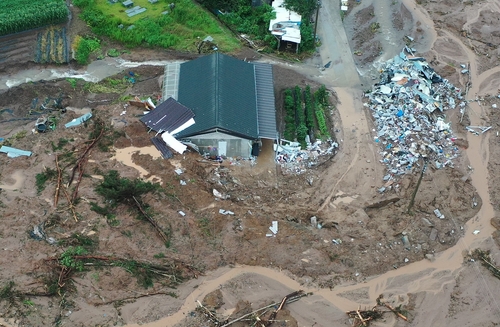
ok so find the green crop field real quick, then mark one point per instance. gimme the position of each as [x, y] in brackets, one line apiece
[20, 15]
[159, 26]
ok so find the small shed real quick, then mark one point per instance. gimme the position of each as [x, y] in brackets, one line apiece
[128, 3]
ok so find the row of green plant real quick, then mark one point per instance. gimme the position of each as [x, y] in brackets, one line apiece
[304, 114]
[322, 104]
[160, 26]
[21, 15]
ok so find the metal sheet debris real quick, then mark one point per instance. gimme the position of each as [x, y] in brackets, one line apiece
[438, 214]
[273, 228]
[407, 106]
[78, 121]
[476, 130]
[172, 142]
[13, 152]
[225, 212]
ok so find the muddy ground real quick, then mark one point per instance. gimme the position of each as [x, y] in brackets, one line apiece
[206, 244]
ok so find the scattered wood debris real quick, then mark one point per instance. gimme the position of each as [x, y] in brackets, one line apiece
[257, 316]
[364, 317]
[146, 104]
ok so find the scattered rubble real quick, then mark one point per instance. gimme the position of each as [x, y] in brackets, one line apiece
[273, 228]
[407, 106]
[476, 130]
[295, 160]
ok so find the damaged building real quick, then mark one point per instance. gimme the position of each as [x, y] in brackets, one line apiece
[286, 26]
[232, 104]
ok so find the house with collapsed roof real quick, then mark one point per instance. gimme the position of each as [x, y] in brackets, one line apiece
[286, 26]
[223, 105]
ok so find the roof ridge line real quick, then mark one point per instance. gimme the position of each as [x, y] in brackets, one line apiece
[256, 98]
[216, 86]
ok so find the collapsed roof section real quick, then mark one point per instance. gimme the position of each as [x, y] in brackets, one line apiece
[286, 25]
[169, 116]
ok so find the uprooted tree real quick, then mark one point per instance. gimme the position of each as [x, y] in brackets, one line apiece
[119, 190]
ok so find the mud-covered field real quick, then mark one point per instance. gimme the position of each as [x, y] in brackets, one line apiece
[358, 253]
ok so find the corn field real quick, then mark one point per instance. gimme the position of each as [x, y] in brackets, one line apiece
[20, 15]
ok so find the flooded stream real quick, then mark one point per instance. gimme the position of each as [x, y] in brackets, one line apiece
[94, 72]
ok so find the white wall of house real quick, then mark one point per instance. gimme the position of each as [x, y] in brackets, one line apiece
[217, 143]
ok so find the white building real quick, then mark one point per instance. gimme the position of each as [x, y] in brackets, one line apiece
[286, 25]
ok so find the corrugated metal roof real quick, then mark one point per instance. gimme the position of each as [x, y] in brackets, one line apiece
[167, 116]
[266, 110]
[171, 80]
[220, 90]
[162, 147]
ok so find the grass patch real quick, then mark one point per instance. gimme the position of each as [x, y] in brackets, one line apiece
[108, 85]
[181, 28]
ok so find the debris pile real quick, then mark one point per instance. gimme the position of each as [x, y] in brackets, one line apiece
[407, 107]
[295, 160]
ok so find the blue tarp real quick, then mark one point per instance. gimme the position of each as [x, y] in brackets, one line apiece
[78, 121]
[13, 152]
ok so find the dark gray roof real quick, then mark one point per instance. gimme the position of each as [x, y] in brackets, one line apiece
[162, 147]
[167, 116]
[266, 110]
[220, 90]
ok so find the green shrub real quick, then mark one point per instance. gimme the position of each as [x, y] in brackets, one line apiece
[68, 260]
[116, 189]
[113, 53]
[85, 48]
